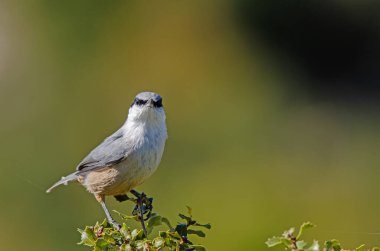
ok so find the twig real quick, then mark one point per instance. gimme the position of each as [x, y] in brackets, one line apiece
[140, 205]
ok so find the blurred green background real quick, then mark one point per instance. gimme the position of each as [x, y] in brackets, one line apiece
[272, 112]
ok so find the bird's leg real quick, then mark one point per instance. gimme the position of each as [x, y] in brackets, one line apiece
[101, 200]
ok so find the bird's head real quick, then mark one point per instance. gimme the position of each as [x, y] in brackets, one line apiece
[147, 107]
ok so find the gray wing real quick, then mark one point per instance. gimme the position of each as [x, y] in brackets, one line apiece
[111, 151]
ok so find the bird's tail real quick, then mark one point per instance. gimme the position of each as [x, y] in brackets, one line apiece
[64, 180]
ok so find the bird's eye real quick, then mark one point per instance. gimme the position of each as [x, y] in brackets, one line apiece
[139, 102]
[158, 103]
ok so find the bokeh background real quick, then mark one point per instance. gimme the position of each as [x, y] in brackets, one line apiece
[272, 111]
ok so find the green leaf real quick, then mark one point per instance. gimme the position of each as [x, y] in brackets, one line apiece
[126, 247]
[187, 218]
[101, 243]
[313, 247]
[140, 245]
[87, 237]
[286, 242]
[154, 220]
[274, 241]
[175, 235]
[208, 225]
[189, 211]
[127, 217]
[198, 247]
[360, 248]
[125, 231]
[105, 224]
[375, 249]
[301, 244]
[181, 229]
[163, 234]
[109, 239]
[196, 232]
[332, 245]
[167, 222]
[288, 233]
[158, 242]
[137, 234]
[304, 226]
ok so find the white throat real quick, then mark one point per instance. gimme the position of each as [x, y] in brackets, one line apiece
[145, 123]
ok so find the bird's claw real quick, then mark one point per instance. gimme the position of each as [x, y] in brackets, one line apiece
[115, 224]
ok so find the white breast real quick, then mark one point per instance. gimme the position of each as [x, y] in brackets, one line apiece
[147, 143]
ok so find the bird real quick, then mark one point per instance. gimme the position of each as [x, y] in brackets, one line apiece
[128, 157]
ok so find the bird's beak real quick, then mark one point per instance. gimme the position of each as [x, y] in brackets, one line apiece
[150, 103]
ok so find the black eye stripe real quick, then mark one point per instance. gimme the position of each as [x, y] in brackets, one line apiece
[158, 103]
[141, 102]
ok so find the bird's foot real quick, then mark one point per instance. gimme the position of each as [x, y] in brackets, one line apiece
[115, 224]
